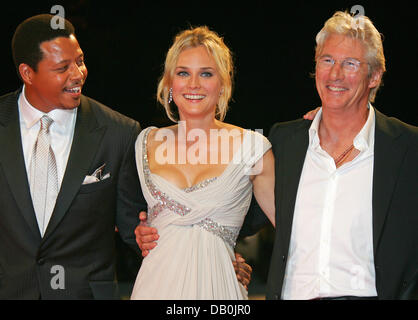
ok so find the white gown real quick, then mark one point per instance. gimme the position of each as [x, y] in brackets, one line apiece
[198, 227]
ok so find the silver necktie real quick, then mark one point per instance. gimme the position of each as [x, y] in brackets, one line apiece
[44, 181]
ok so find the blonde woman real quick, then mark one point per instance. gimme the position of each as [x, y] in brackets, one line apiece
[198, 176]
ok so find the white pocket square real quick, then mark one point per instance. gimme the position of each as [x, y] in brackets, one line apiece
[97, 175]
[90, 179]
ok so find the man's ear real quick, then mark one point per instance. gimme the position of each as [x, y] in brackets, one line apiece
[26, 73]
[375, 79]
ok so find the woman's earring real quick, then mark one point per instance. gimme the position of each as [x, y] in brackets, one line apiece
[170, 95]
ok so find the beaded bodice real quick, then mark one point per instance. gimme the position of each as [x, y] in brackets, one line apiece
[217, 205]
[228, 234]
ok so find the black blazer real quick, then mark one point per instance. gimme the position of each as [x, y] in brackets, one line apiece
[80, 235]
[395, 204]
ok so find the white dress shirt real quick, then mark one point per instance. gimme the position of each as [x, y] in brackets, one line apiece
[61, 133]
[331, 246]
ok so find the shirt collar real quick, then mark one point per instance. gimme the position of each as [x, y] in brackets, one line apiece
[313, 130]
[362, 141]
[31, 115]
[365, 138]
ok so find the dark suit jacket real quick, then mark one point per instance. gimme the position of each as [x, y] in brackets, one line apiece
[80, 235]
[395, 204]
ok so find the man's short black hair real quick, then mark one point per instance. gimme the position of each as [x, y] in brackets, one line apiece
[30, 34]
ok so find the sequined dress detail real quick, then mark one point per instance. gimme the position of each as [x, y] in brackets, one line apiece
[198, 228]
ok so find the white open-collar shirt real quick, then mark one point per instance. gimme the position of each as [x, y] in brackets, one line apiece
[331, 246]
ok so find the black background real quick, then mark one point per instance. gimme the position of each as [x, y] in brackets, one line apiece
[125, 43]
[273, 42]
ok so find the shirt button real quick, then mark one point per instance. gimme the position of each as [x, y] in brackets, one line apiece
[40, 261]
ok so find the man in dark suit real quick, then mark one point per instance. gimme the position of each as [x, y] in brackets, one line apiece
[394, 206]
[62, 247]
[346, 183]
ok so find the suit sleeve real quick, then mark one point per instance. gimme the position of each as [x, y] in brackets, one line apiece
[130, 200]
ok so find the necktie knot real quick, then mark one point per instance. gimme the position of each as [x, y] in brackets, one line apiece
[46, 123]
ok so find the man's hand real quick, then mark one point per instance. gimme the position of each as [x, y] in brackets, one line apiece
[242, 270]
[145, 236]
[311, 114]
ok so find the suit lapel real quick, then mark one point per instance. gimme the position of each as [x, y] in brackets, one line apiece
[86, 141]
[293, 158]
[12, 160]
[389, 153]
